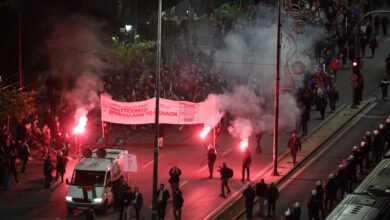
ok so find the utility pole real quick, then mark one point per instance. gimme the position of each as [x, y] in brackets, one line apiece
[276, 106]
[155, 163]
[20, 51]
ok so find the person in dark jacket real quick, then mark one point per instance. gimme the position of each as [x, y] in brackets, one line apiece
[47, 171]
[288, 215]
[373, 46]
[313, 206]
[320, 197]
[211, 158]
[387, 61]
[367, 149]
[24, 155]
[90, 214]
[178, 204]
[249, 195]
[138, 202]
[162, 199]
[61, 166]
[341, 181]
[296, 211]
[174, 179]
[376, 145]
[261, 189]
[12, 165]
[246, 162]
[224, 179]
[333, 98]
[116, 190]
[330, 192]
[384, 22]
[384, 84]
[272, 195]
[126, 204]
[294, 144]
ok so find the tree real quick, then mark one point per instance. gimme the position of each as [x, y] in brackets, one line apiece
[132, 55]
[17, 105]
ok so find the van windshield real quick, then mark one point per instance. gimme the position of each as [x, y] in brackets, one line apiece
[88, 178]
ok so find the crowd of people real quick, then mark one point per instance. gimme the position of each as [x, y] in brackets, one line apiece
[44, 137]
[363, 157]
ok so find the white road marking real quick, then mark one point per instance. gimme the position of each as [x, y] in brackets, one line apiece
[183, 183]
[150, 162]
[203, 168]
[372, 116]
[226, 152]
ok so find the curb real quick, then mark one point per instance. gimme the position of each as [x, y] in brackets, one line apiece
[230, 205]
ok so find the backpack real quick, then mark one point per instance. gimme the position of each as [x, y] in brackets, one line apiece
[229, 172]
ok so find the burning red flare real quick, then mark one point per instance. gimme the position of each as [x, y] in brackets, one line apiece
[205, 131]
[80, 128]
[243, 145]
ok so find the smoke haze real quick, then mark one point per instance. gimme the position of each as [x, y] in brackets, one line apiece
[249, 54]
[75, 54]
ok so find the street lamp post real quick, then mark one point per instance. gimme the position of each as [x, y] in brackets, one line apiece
[276, 105]
[155, 161]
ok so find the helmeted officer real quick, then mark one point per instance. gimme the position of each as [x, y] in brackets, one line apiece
[376, 145]
[330, 191]
[320, 197]
[313, 206]
[341, 180]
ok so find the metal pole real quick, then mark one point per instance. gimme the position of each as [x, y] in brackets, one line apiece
[276, 106]
[155, 163]
[20, 52]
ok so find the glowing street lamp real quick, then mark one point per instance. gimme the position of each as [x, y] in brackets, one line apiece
[128, 27]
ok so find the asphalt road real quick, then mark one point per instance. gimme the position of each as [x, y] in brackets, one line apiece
[28, 200]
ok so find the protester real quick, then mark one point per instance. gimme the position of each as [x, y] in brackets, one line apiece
[128, 198]
[211, 158]
[178, 204]
[261, 189]
[246, 162]
[294, 144]
[47, 170]
[162, 199]
[249, 195]
[272, 195]
[226, 173]
[384, 84]
[24, 155]
[373, 46]
[137, 202]
[174, 179]
[61, 166]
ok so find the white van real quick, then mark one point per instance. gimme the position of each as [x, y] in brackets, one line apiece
[90, 185]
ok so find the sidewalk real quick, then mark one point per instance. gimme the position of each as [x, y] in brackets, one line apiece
[235, 206]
